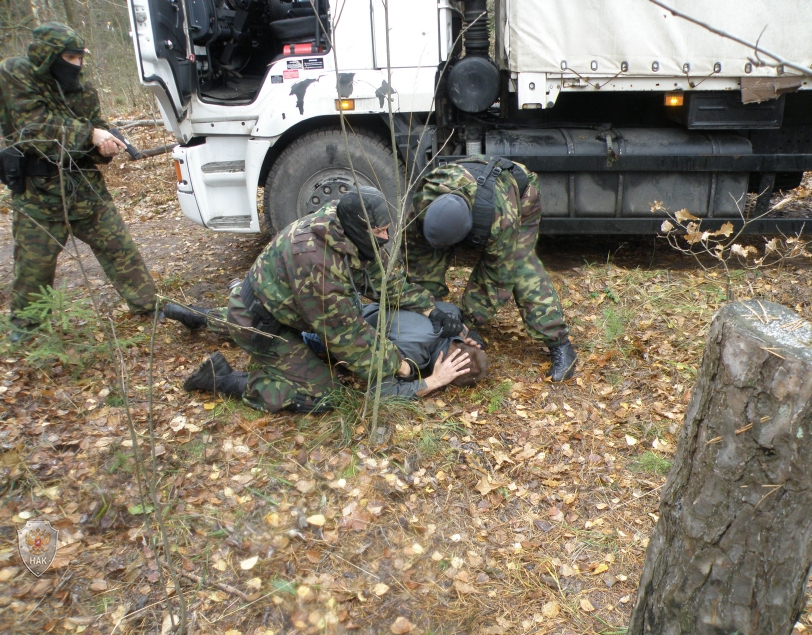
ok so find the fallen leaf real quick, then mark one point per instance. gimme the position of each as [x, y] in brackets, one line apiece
[167, 624]
[248, 563]
[600, 569]
[305, 486]
[586, 605]
[463, 588]
[550, 610]
[318, 520]
[485, 486]
[209, 405]
[98, 585]
[136, 510]
[630, 440]
[401, 625]
[8, 573]
[380, 589]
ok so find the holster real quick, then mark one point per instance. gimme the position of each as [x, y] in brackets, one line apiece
[13, 169]
[16, 166]
[262, 321]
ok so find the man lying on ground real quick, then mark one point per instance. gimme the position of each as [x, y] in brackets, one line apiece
[422, 345]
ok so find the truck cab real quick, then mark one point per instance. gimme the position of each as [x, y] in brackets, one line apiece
[615, 105]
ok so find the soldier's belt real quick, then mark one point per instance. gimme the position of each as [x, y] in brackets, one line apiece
[35, 166]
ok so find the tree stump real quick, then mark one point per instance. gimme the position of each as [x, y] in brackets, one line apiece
[731, 552]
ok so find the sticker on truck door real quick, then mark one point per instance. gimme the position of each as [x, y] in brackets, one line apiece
[313, 63]
[293, 74]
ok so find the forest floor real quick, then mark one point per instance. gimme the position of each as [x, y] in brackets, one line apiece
[519, 506]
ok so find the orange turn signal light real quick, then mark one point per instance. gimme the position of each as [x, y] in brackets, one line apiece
[674, 99]
[345, 104]
[178, 174]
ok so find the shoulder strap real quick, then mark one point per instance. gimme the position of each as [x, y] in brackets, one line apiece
[483, 209]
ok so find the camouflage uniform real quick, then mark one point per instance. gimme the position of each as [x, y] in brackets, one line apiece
[310, 278]
[38, 117]
[508, 263]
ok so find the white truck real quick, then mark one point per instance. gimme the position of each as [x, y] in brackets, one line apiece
[615, 103]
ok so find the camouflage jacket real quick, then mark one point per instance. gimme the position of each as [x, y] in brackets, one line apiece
[37, 117]
[497, 254]
[310, 278]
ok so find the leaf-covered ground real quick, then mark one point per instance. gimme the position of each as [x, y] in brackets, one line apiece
[520, 506]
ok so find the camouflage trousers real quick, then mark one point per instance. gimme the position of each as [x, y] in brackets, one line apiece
[38, 243]
[533, 290]
[287, 365]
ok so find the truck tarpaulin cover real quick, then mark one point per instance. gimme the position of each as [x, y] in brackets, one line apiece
[539, 35]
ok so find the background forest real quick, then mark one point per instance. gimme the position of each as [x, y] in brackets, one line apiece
[104, 25]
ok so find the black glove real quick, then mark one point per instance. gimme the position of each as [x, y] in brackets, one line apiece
[476, 337]
[449, 325]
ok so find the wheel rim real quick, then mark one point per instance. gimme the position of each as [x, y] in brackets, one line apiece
[325, 186]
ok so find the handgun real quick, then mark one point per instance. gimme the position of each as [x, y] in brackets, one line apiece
[131, 149]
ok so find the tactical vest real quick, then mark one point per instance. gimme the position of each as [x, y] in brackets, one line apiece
[484, 206]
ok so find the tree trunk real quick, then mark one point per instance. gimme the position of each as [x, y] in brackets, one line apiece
[70, 14]
[731, 552]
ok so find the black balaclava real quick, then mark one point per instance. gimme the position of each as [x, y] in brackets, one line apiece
[67, 74]
[351, 216]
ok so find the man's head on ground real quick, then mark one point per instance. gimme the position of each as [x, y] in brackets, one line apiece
[364, 230]
[477, 366]
[447, 221]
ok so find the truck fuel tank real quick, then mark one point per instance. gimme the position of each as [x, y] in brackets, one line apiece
[608, 192]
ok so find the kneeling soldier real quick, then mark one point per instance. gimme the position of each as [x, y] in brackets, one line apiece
[310, 278]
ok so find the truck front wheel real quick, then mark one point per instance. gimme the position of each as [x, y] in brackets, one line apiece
[314, 170]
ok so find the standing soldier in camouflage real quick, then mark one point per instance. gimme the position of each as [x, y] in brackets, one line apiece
[492, 206]
[48, 114]
[310, 278]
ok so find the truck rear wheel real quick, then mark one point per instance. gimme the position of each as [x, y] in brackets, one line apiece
[314, 170]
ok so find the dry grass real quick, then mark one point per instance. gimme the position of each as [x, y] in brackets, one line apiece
[518, 506]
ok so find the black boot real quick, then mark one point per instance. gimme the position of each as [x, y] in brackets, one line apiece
[191, 319]
[563, 361]
[306, 404]
[233, 384]
[209, 373]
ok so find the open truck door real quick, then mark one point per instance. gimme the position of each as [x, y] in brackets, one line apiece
[165, 61]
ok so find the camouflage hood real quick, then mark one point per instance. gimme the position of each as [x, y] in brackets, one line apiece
[50, 39]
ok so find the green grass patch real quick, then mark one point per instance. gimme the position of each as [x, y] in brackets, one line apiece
[492, 397]
[65, 329]
[651, 463]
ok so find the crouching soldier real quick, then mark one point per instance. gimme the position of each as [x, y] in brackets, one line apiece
[310, 278]
[493, 207]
